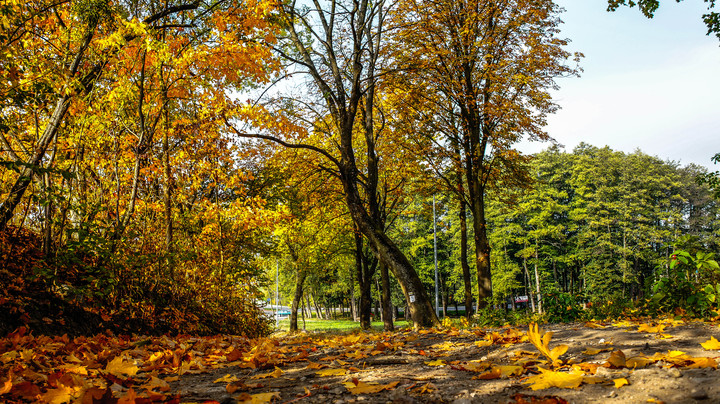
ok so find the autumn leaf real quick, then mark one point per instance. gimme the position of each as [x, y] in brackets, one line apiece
[438, 362]
[617, 359]
[368, 388]
[118, 367]
[620, 382]
[315, 365]
[260, 398]
[542, 344]
[711, 345]
[331, 372]
[548, 378]
[594, 351]
[492, 374]
[228, 378]
[7, 384]
[274, 374]
[651, 329]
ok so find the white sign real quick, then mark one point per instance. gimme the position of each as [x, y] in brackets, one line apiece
[412, 298]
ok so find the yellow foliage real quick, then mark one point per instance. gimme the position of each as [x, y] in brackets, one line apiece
[548, 378]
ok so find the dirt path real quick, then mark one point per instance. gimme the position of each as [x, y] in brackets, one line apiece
[470, 366]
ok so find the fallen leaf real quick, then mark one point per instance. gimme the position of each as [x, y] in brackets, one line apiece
[274, 374]
[438, 362]
[542, 344]
[711, 345]
[118, 367]
[331, 372]
[368, 388]
[7, 385]
[260, 398]
[620, 382]
[617, 359]
[548, 378]
[228, 378]
[650, 328]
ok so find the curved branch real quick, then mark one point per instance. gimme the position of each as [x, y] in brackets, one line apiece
[281, 142]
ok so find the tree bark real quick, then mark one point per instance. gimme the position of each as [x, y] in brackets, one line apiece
[297, 299]
[464, 259]
[386, 303]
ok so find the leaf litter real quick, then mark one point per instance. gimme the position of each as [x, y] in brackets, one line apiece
[595, 361]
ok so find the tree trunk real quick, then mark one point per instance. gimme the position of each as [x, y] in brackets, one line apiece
[386, 303]
[464, 259]
[297, 298]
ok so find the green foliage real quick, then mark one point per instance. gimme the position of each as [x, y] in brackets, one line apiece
[563, 307]
[689, 283]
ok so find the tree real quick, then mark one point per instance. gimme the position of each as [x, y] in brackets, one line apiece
[495, 63]
[341, 73]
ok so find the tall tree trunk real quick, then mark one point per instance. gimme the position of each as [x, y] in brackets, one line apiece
[365, 282]
[467, 281]
[386, 303]
[297, 299]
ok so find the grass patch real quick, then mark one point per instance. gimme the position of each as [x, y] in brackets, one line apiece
[335, 325]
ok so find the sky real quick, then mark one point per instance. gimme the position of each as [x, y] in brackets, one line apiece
[648, 84]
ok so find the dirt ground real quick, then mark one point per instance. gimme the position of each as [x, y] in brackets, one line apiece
[441, 366]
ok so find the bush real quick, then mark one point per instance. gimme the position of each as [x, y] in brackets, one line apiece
[690, 283]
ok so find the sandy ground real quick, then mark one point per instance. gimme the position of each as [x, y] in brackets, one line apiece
[432, 366]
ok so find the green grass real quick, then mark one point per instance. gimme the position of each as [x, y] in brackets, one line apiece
[335, 325]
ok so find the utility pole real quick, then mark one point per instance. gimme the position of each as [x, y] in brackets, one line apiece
[437, 296]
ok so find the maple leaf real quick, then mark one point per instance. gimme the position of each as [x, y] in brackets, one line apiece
[368, 388]
[438, 362]
[542, 344]
[548, 378]
[620, 382]
[711, 345]
[228, 378]
[331, 372]
[118, 367]
[260, 398]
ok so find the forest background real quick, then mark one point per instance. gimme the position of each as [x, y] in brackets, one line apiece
[161, 163]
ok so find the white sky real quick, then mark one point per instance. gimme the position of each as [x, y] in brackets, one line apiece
[648, 84]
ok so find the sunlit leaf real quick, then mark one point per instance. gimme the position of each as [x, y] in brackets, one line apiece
[712, 344]
[542, 344]
[620, 382]
[119, 367]
[368, 388]
[228, 378]
[331, 372]
[438, 362]
[549, 378]
[260, 398]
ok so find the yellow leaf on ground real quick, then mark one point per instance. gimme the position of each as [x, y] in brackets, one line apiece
[261, 398]
[483, 342]
[7, 385]
[703, 363]
[274, 374]
[120, 368]
[331, 372]
[711, 345]
[593, 379]
[638, 362]
[593, 351]
[617, 359]
[542, 344]
[368, 388]
[492, 374]
[315, 365]
[620, 382]
[548, 378]
[650, 328]
[507, 371]
[228, 378]
[438, 362]
[58, 396]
